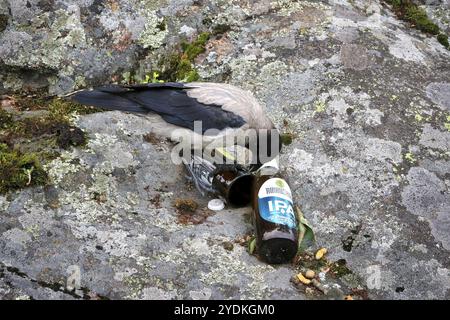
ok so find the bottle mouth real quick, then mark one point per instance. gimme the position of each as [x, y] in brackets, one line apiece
[240, 191]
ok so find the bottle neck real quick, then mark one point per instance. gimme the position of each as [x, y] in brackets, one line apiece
[269, 168]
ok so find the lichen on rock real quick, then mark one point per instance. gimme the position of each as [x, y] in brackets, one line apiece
[361, 95]
[154, 31]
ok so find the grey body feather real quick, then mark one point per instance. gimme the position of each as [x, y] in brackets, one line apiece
[232, 99]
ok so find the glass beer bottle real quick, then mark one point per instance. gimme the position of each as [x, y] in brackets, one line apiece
[274, 216]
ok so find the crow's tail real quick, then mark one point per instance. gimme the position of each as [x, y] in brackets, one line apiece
[106, 99]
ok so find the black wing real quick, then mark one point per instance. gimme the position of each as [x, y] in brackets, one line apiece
[169, 100]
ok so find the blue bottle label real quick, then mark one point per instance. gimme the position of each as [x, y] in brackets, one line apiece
[275, 203]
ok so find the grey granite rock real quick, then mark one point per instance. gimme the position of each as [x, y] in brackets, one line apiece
[365, 96]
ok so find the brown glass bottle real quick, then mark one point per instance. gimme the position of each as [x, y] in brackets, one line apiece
[273, 215]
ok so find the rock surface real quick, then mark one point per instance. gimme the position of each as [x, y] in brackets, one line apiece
[366, 97]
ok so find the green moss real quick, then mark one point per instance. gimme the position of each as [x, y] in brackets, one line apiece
[3, 22]
[152, 78]
[286, 138]
[63, 110]
[55, 123]
[19, 170]
[30, 103]
[408, 11]
[340, 269]
[46, 133]
[178, 65]
[183, 69]
[192, 76]
[27, 141]
[443, 39]
[418, 17]
[192, 50]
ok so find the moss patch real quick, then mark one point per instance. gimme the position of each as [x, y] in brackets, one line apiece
[178, 65]
[54, 121]
[339, 268]
[34, 137]
[193, 49]
[408, 11]
[443, 39]
[287, 138]
[186, 205]
[19, 170]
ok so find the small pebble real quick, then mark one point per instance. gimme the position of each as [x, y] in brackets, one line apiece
[320, 253]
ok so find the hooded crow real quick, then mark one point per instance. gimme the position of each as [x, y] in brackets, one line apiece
[206, 112]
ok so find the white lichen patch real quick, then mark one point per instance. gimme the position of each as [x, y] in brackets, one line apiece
[383, 150]
[383, 242]
[154, 31]
[65, 31]
[228, 268]
[119, 276]
[329, 224]
[203, 294]
[404, 48]
[17, 236]
[118, 153]
[339, 107]
[3, 203]
[287, 7]
[85, 210]
[165, 219]
[119, 244]
[35, 218]
[66, 163]
[101, 140]
[371, 117]
[155, 293]
[301, 160]
[230, 13]
[434, 138]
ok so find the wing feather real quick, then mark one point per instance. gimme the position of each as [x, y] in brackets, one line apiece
[232, 99]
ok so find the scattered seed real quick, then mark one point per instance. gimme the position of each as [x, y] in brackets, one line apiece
[320, 253]
[302, 279]
[310, 274]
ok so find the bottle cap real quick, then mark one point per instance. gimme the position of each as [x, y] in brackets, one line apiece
[216, 205]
